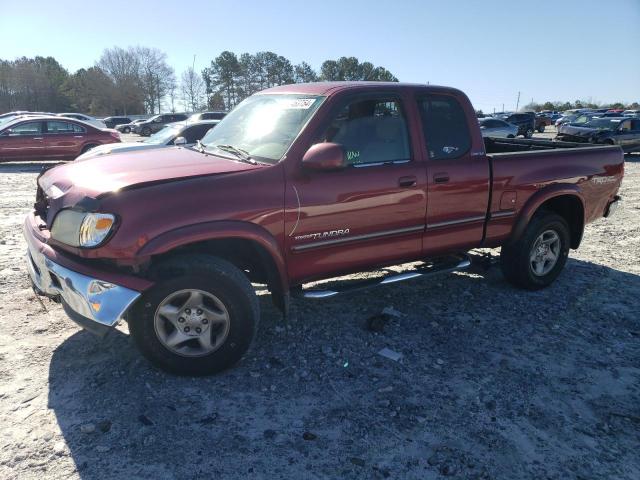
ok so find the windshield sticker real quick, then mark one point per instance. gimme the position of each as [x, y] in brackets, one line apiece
[300, 103]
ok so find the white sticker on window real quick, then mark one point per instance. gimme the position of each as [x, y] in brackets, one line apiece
[300, 103]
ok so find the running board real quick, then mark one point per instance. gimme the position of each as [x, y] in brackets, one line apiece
[446, 265]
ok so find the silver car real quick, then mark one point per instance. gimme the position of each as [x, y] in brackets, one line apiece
[494, 127]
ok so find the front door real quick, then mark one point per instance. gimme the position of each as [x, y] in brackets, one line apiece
[457, 176]
[23, 141]
[371, 212]
[64, 139]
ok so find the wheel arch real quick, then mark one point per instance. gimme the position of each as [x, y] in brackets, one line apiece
[564, 200]
[246, 245]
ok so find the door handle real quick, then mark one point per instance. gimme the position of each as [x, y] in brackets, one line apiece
[442, 177]
[38, 138]
[407, 182]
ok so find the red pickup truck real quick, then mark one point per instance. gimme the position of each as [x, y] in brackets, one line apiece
[301, 183]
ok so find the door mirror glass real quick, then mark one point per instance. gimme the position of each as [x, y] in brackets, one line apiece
[180, 141]
[324, 156]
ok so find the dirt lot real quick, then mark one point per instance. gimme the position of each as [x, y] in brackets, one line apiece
[494, 382]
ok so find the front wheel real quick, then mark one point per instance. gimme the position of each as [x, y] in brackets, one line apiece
[536, 259]
[528, 133]
[126, 130]
[541, 128]
[146, 131]
[198, 319]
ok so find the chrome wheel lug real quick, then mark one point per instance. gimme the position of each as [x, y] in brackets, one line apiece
[187, 311]
[181, 319]
[205, 321]
[187, 329]
[199, 312]
[198, 330]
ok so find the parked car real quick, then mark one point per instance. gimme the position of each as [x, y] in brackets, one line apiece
[631, 113]
[298, 184]
[113, 122]
[542, 121]
[494, 127]
[50, 138]
[196, 117]
[128, 127]
[526, 123]
[621, 131]
[174, 134]
[157, 123]
[84, 118]
[578, 118]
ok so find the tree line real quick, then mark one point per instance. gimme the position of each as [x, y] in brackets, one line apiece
[562, 106]
[138, 80]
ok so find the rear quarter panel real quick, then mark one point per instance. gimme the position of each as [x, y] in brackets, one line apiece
[522, 181]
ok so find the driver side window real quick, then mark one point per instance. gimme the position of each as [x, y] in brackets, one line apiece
[371, 131]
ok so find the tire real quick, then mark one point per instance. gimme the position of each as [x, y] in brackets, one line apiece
[510, 136]
[226, 292]
[126, 130]
[86, 148]
[541, 128]
[145, 132]
[516, 259]
[528, 133]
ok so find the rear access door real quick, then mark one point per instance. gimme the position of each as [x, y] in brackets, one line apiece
[458, 177]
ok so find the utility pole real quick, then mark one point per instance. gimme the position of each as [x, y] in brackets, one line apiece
[518, 102]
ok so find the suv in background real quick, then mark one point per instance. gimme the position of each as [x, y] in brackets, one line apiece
[197, 117]
[526, 123]
[113, 122]
[157, 123]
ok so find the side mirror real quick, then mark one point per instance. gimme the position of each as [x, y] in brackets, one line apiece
[180, 141]
[324, 156]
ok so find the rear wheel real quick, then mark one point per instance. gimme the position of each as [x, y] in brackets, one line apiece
[86, 148]
[510, 136]
[126, 130]
[198, 319]
[536, 259]
[541, 128]
[146, 131]
[528, 133]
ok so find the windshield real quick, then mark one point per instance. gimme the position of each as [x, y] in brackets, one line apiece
[602, 124]
[163, 136]
[263, 126]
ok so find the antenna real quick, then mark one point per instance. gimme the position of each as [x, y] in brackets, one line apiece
[518, 102]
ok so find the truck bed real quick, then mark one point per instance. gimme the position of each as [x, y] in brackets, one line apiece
[507, 145]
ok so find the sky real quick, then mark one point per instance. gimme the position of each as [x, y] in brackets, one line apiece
[546, 50]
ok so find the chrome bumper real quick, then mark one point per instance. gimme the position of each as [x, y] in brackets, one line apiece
[94, 304]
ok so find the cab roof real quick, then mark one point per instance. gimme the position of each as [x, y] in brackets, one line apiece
[330, 88]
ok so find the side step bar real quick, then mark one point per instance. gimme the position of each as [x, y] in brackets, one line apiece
[445, 265]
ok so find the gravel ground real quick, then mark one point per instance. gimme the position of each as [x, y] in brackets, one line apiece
[493, 382]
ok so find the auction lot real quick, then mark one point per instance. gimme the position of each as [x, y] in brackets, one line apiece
[493, 382]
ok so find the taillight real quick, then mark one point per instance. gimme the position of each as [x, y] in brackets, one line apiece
[115, 135]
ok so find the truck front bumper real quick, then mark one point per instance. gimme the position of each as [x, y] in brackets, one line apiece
[94, 304]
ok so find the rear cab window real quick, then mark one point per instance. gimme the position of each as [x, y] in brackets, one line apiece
[445, 128]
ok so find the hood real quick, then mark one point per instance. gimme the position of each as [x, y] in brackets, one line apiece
[110, 148]
[96, 176]
[577, 131]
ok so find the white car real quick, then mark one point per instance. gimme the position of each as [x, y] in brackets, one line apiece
[85, 118]
[494, 127]
[175, 134]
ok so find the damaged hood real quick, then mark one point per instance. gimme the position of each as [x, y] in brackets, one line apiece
[96, 176]
[577, 131]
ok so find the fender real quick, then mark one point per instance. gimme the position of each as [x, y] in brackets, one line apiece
[219, 230]
[537, 199]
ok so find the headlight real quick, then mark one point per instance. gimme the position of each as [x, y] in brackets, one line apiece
[82, 229]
